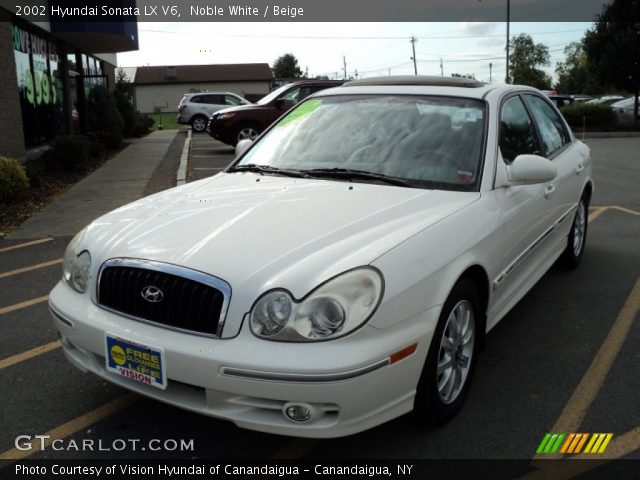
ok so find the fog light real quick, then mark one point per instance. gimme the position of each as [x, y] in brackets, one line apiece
[298, 413]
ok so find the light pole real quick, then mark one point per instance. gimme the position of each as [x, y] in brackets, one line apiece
[508, 22]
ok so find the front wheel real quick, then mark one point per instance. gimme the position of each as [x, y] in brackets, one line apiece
[451, 360]
[577, 236]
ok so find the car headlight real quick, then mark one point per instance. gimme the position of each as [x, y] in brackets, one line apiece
[76, 265]
[225, 116]
[332, 310]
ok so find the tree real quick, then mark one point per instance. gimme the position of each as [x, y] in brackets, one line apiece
[286, 66]
[573, 74]
[612, 50]
[525, 58]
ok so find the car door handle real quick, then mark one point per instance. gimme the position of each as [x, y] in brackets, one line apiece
[548, 192]
[579, 169]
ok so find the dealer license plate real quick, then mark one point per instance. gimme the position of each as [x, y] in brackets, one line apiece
[139, 362]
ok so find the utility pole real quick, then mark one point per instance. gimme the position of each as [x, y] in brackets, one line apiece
[356, 74]
[490, 71]
[441, 68]
[344, 63]
[306, 72]
[413, 46]
[508, 22]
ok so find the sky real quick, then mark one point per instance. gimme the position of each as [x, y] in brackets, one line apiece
[369, 49]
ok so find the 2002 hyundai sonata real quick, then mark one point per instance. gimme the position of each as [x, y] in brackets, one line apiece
[344, 269]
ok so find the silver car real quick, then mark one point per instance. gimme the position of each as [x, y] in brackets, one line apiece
[196, 108]
[624, 110]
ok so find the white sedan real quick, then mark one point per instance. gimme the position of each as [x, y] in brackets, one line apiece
[345, 269]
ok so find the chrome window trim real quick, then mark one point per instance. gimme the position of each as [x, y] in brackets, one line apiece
[303, 377]
[172, 269]
[520, 258]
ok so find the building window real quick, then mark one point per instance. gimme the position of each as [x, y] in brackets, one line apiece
[40, 84]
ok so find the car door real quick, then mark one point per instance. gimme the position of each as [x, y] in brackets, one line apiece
[527, 212]
[556, 142]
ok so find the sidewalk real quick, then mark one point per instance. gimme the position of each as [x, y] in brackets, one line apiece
[119, 181]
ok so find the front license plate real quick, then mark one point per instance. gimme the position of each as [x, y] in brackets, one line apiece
[142, 363]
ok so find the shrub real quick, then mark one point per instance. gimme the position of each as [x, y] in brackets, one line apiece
[97, 150]
[112, 140]
[143, 124]
[102, 113]
[35, 171]
[128, 112]
[13, 179]
[594, 116]
[71, 152]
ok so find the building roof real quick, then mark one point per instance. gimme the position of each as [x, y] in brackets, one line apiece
[237, 72]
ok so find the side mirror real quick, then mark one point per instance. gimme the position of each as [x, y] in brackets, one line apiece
[242, 146]
[530, 169]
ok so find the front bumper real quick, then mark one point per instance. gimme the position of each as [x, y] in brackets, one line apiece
[349, 383]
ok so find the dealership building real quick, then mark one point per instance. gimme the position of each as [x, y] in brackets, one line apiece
[47, 69]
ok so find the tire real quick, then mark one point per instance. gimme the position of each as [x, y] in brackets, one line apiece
[245, 131]
[440, 394]
[199, 123]
[577, 240]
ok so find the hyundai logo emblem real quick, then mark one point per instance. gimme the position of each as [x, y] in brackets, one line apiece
[152, 294]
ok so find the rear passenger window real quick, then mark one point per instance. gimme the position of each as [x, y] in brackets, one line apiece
[517, 135]
[213, 99]
[196, 99]
[552, 132]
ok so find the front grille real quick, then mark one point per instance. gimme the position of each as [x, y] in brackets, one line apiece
[186, 303]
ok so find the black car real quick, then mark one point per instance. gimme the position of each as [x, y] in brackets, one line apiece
[248, 121]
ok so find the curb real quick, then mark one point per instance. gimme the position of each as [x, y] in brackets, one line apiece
[181, 178]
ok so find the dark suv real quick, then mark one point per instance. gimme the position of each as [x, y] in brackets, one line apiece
[248, 121]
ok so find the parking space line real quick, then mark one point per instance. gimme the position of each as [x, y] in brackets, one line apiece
[28, 303]
[30, 268]
[585, 393]
[26, 244]
[34, 352]
[625, 210]
[597, 211]
[74, 426]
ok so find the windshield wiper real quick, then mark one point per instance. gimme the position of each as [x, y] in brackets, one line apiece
[350, 174]
[262, 169]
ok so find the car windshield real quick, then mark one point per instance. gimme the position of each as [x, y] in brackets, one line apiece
[425, 141]
[273, 95]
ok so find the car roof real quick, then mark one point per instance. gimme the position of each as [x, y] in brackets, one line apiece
[208, 93]
[422, 85]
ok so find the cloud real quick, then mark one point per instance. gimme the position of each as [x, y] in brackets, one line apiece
[476, 28]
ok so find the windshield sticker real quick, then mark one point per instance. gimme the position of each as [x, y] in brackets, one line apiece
[301, 112]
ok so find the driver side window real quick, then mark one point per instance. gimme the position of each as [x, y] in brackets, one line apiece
[517, 134]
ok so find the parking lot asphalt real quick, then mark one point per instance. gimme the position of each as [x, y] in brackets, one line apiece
[207, 157]
[565, 359]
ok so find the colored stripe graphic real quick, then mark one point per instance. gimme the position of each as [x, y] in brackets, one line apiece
[572, 443]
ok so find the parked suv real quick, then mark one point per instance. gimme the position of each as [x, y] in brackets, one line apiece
[248, 121]
[196, 108]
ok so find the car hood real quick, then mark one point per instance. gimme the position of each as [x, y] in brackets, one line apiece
[261, 232]
[239, 108]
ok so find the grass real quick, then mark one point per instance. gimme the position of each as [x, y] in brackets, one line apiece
[168, 121]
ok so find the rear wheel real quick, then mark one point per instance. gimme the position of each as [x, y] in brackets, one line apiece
[451, 360]
[199, 123]
[577, 236]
